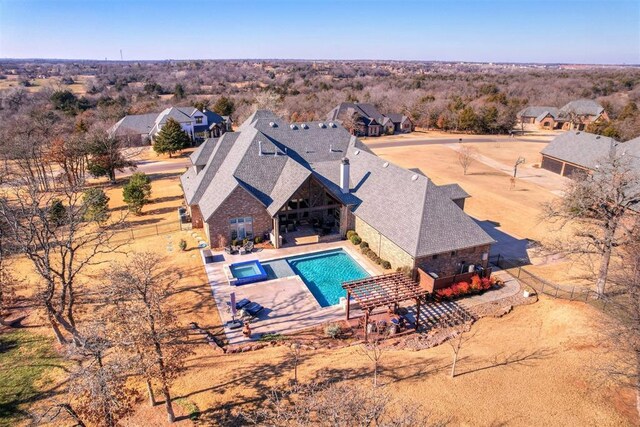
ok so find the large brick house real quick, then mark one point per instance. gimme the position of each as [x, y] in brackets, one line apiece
[368, 121]
[270, 175]
[198, 124]
[575, 115]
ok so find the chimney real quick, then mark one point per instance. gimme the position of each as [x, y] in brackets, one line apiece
[344, 175]
[259, 148]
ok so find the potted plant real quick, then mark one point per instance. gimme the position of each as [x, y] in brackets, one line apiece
[183, 245]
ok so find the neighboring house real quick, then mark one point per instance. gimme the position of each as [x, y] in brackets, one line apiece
[199, 125]
[369, 121]
[574, 115]
[269, 176]
[579, 152]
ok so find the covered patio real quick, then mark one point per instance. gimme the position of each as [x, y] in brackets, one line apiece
[387, 290]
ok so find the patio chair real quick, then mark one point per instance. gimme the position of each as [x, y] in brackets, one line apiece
[248, 247]
[229, 250]
[253, 308]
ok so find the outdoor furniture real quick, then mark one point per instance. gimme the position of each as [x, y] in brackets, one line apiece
[253, 308]
[229, 250]
[242, 250]
[248, 247]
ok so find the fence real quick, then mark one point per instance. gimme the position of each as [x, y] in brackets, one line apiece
[517, 268]
[132, 233]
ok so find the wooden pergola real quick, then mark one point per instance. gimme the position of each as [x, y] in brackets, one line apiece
[383, 291]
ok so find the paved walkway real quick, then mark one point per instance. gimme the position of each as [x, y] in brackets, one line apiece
[545, 179]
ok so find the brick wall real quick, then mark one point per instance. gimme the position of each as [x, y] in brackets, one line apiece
[238, 204]
[196, 216]
[384, 247]
[446, 264]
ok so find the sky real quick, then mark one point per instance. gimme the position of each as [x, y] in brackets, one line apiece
[543, 31]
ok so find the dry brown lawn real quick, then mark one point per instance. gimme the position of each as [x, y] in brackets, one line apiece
[535, 366]
[12, 81]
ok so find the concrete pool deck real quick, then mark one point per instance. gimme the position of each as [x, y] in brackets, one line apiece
[288, 304]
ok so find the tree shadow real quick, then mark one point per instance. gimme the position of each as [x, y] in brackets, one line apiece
[519, 358]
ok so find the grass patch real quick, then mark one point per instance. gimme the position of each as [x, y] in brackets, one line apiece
[25, 361]
[272, 337]
[190, 407]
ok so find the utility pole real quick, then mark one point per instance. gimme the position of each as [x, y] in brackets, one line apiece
[120, 54]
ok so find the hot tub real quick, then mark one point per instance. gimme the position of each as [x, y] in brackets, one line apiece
[247, 272]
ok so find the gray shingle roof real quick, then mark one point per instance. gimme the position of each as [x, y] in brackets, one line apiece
[580, 148]
[583, 107]
[200, 155]
[134, 124]
[453, 191]
[535, 111]
[406, 207]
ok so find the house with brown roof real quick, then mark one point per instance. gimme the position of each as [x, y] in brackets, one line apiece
[270, 178]
[575, 115]
[366, 120]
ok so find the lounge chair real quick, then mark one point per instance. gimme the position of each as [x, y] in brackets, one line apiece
[252, 308]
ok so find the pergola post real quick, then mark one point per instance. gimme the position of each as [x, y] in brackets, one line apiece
[417, 313]
[366, 326]
[348, 304]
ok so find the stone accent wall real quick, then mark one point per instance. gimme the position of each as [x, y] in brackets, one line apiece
[384, 247]
[447, 264]
[238, 204]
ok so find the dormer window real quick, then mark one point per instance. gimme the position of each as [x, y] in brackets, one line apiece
[198, 120]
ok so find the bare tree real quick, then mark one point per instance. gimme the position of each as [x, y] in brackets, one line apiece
[145, 322]
[594, 208]
[466, 156]
[97, 385]
[623, 328]
[341, 404]
[456, 326]
[295, 355]
[518, 162]
[50, 230]
[373, 351]
[8, 285]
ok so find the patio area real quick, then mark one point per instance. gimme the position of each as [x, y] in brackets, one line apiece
[288, 304]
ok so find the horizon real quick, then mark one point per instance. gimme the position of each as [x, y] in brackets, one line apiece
[482, 31]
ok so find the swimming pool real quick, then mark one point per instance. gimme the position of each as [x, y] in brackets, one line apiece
[322, 272]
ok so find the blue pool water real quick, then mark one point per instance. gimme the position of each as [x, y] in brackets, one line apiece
[248, 272]
[322, 272]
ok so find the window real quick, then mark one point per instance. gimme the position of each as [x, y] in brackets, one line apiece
[198, 120]
[241, 228]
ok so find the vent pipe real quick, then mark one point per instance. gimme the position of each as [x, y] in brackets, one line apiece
[259, 148]
[344, 175]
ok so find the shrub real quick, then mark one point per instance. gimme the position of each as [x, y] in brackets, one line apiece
[373, 257]
[235, 242]
[137, 192]
[386, 264]
[350, 233]
[257, 240]
[363, 245]
[365, 251]
[355, 239]
[96, 205]
[182, 245]
[332, 330]
[57, 212]
[405, 269]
